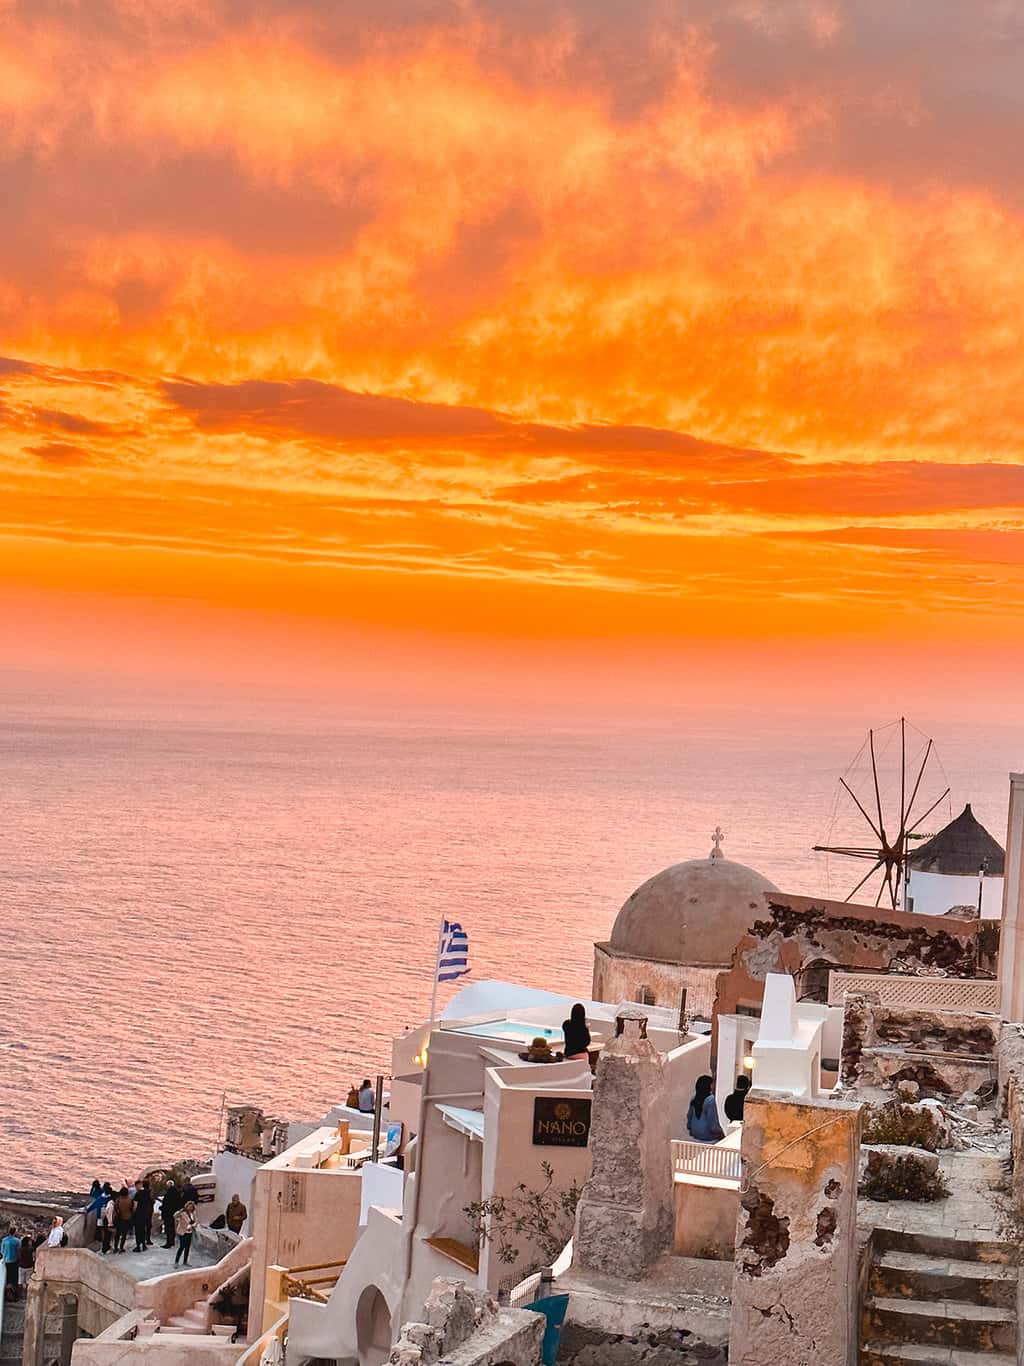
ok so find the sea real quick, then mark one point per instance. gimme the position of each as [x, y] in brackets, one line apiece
[199, 911]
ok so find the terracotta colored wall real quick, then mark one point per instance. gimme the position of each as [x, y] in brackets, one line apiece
[798, 931]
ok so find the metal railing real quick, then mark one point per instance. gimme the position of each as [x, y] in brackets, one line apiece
[918, 993]
[705, 1159]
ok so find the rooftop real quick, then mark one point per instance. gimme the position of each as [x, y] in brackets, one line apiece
[962, 849]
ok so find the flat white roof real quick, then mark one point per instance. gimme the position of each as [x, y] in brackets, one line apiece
[468, 1122]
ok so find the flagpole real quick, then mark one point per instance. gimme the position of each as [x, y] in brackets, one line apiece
[421, 1118]
[437, 970]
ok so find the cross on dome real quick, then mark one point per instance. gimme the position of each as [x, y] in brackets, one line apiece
[717, 838]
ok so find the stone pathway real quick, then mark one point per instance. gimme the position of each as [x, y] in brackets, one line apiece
[156, 1261]
[973, 1210]
[942, 1284]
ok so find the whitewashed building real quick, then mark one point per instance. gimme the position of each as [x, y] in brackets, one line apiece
[961, 866]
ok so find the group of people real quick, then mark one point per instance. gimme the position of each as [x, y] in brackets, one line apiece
[131, 1209]
[19, 1255]
[702, 1122]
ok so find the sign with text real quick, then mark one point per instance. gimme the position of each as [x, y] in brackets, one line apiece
[561, 1123]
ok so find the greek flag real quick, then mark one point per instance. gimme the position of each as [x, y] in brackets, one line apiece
[453, 958]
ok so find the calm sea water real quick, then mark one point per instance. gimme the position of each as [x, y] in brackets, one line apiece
[190, 911]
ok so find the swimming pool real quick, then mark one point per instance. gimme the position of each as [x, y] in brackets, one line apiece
[512, 1031]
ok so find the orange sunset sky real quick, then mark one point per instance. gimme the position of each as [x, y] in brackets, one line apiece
[527, 325]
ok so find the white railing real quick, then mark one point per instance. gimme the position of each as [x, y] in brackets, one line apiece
[718, 1160]
[919, 993]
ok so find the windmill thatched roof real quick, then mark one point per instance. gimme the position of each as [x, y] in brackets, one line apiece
[961, 849]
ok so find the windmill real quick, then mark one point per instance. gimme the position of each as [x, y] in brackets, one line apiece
[893, 798]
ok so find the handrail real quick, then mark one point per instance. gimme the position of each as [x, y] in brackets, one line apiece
[716, 1160]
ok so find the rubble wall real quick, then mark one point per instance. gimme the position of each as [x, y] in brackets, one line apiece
[795, 1284]
[466, 1327]
[799, 932]
[943, 1052]
[1011, 1096]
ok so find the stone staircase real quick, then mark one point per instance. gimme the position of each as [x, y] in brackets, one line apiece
[12, 1342]
[192, 1321]
[937, 1301]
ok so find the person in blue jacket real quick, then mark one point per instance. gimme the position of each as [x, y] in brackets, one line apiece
[702, 1117]
[10, 1249]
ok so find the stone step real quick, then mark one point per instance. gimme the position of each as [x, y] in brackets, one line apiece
[935, 1245]
[978, 1327]
[916, 1276]
[929, 1354]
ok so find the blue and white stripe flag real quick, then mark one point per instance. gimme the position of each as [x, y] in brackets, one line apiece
[453, 953]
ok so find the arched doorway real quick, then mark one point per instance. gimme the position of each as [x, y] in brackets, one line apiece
[373, 1328]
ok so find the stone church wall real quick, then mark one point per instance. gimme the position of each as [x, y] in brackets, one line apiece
[618, 977]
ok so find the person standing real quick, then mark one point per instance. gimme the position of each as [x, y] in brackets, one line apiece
[235, 1215]
[169, 1207]
[10, 1250]
[26, 1262]
[367, 1099]
[124, 1215]
[57, 1237]
[143, 1217]
[105, 1223]
[185, 1224]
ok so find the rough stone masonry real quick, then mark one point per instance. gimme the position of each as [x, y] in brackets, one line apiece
[624, 1222]
[795, 1282]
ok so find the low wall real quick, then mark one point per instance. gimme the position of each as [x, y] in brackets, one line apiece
[103, 1291]
[705, 1221]
[159, 1349]
[1011, 1096]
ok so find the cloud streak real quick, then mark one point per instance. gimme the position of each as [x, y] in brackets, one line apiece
[719, 303]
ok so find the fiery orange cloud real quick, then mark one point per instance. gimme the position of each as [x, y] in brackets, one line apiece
[536, 320]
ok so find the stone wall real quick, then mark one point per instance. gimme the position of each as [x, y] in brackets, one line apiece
[645, 1347]
[624, 1220]
[464, 1327]
[795, 1285]
[804, 936]
[1011, 1095]
[945, 1053]
[621, 977]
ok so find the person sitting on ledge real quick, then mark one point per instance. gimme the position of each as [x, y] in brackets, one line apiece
[734, 1100]
[540, 1051]
[702, 1116]
[577, 1035]
[367, 1098]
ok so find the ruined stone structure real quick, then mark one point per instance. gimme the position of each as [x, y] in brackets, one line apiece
[252, 1134]
[807, 936]
[624, 1221]
[463, 1327]
[795, 1293]
[942, 1053]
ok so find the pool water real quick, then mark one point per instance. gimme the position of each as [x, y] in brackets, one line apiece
[513, 1032]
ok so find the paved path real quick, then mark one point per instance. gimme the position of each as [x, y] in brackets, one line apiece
[156, 1261]
[973, 1210]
